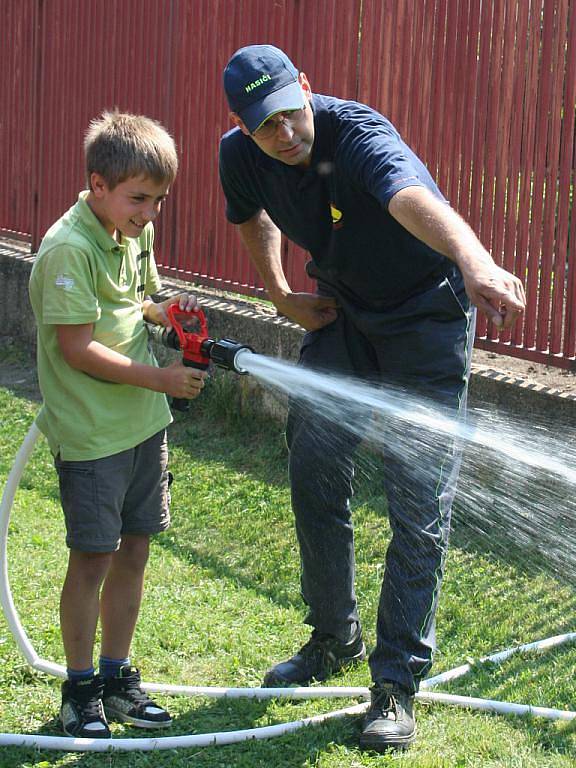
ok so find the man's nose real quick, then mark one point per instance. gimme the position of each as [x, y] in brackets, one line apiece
[284, 130]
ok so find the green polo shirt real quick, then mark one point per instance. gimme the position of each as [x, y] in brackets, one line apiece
[82, 275]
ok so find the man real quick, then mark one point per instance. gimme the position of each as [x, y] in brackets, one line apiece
[397, 272]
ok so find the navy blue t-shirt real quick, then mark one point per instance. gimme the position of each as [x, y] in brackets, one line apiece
[337, 208]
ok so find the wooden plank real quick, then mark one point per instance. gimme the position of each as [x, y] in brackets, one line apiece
[553, 263]
[564, 302]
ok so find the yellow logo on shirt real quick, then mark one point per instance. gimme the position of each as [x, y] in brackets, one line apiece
[336, 216]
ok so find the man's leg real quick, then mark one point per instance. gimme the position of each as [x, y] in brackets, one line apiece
[420, 494]
[420, 488]
[321, 470]
[429, 354]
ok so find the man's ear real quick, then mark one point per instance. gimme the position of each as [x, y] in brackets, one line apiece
[239, 124]
[305, 85]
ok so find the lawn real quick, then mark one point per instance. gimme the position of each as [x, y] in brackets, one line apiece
[222, 603]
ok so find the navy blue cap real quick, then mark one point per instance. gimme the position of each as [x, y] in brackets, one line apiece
[259, 81]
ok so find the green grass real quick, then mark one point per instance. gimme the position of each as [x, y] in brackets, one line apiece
[222, 603]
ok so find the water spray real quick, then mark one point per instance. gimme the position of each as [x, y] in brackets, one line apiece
[199, 349]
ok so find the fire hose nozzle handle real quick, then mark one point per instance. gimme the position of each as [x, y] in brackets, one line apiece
[192, 332]
[182, 404]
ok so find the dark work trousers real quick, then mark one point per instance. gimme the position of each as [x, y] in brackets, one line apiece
[423, 346]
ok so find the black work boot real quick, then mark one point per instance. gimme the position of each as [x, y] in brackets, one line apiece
[389, 723]
[320, 657]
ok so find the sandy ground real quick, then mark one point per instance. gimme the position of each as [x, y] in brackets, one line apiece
[548, 375]
[19, 378]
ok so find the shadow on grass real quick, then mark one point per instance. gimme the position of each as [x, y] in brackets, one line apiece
[272, 586]
[519, 680]
[529, 525]
[223, 427]
[506, 518]
[259, 556]
[294, 749]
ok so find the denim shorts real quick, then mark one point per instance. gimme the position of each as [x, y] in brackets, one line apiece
[126, 493]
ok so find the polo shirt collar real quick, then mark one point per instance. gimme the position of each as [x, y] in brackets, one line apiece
[322, 148]
[97, 232]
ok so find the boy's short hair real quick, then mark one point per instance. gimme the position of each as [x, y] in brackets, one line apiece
[121, 146]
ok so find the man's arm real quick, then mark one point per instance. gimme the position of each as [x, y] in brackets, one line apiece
[80, 351]
[261, 238]
[499, 294]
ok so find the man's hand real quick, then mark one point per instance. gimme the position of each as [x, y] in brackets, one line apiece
[156, 312]
[497, 293]
[182, 382]
[262, 239]
[308, 310]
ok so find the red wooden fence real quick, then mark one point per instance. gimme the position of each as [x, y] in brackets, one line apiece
[484, 90]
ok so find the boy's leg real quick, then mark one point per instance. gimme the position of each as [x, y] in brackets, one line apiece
[122, 594]
[79, 605]
[92, 536]
[145, 511]
[81, 712]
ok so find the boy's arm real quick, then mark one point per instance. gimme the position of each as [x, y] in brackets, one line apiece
[80, 351]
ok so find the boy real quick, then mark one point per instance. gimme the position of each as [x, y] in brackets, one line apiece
[105, 412]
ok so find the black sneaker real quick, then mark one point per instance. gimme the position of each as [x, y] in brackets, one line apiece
[389, 723]
[81, 713]
[320, 657]
[125, 700]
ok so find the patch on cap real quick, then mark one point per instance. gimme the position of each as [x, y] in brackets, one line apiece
[259, 81]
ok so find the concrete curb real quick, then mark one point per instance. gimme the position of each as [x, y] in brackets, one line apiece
[257, 324]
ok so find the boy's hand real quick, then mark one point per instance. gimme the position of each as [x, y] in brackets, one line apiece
[183, 382]
[156, 312]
